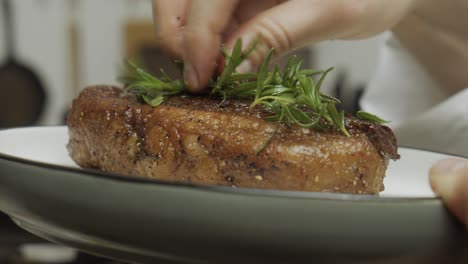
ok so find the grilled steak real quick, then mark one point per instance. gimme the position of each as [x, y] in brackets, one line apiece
[196, 140]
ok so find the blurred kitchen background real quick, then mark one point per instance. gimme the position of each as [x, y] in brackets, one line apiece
[51, 49]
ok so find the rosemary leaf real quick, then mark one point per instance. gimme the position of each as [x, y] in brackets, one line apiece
[371, 117]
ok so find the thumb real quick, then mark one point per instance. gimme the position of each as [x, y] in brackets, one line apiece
[449, 180]
[295, 24]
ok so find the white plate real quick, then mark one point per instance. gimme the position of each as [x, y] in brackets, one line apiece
[406, 177]
[141, 220]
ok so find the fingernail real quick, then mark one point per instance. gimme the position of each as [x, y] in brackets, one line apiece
[245, 67]
[190, 75]
[445, 174]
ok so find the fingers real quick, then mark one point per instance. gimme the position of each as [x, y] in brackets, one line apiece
[284, 27]
[206, 23]
[449, 179]
[294, 24]
[169, 19]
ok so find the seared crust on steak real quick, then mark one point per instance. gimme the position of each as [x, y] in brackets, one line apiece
[195, 140]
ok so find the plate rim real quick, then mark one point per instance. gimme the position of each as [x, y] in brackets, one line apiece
[95, 173]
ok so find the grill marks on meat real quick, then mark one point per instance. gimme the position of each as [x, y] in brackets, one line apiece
[195, 140]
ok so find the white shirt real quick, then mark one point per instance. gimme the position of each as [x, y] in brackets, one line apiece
[421, 115]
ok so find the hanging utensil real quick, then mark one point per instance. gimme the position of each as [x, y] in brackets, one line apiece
[22, 95]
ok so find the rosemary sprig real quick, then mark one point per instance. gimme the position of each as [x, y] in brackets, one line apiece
[233, 60]
[291, 95]
[154, 91]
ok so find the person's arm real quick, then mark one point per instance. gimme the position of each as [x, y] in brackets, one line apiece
[449, 179]
[435, 34]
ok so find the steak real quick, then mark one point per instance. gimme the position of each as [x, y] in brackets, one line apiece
[197, 140]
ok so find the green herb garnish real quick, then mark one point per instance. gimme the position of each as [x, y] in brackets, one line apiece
[154, 91]
[291, 95]
[370, 117]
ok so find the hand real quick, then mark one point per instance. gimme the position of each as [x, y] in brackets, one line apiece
[449, 179]
[194, 29]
